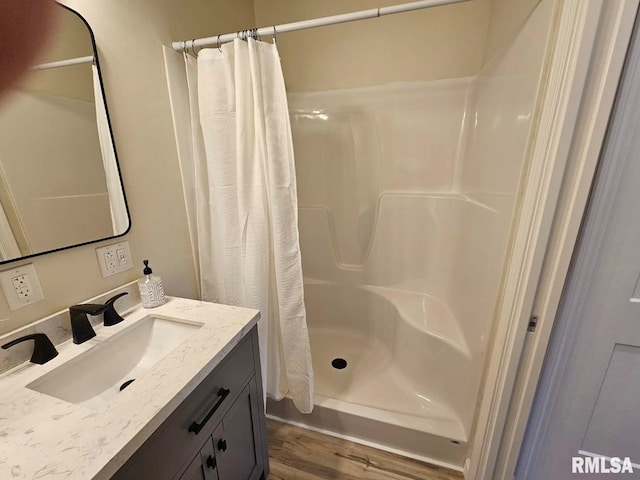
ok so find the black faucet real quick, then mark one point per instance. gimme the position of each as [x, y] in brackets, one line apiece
[43, 349]
[111, 317]
[80, 325]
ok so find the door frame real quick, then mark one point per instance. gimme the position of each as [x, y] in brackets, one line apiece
[586, 52]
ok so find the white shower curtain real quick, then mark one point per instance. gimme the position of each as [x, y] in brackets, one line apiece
[119, 216]
[246, 219]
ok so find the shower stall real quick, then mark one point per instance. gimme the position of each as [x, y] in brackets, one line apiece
[407, 194]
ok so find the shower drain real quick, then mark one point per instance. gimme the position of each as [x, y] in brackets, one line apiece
[339, 363]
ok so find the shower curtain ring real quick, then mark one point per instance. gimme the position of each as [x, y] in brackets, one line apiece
[218, 44]
[193, 48]
[274, 35]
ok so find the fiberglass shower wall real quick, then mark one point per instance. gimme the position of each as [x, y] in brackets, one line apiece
[412, 186]
[372, 166]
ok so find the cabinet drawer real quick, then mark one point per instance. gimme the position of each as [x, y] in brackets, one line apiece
[163, 455]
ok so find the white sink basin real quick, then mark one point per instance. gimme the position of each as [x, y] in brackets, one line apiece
[95, 377]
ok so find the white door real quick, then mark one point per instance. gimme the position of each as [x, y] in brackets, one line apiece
[588, 400]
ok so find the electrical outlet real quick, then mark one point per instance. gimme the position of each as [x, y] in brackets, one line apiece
[115, 258]
[110, 261]
[21, 286]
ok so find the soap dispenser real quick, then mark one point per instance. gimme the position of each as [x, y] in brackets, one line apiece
[151, 289]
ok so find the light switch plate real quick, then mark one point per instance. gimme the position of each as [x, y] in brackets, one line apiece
[114, 258]
[21, 286]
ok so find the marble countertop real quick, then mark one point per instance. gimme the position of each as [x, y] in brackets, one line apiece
[42, 437]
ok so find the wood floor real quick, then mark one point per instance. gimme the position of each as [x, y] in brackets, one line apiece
[299, 454]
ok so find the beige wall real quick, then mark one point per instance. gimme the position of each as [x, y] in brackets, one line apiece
[436, 43]
[507, 18]
[130, 37]
[442, 42]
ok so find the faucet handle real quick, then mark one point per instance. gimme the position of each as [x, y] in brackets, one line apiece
[111, 317]
[43, 349]
[80, 326]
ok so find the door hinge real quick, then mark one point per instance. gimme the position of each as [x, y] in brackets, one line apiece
[533, 323]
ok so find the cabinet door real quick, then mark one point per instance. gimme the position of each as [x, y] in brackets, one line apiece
[194, 471]
[237, 439]
[203, 466]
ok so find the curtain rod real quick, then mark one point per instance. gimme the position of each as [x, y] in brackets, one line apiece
[63, 63]
[317, 22]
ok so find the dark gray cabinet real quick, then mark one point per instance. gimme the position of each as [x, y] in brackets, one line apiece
[203, 467]
[217, 433]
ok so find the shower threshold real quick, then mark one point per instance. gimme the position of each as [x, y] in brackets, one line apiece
[373, 427]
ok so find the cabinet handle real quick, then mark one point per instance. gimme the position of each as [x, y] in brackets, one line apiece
[211, 462]
[196, 427]
[222, 445]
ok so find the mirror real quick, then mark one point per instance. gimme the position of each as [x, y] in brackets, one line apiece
[60, 183]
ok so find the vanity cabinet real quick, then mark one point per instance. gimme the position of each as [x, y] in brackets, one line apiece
[217, 433]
